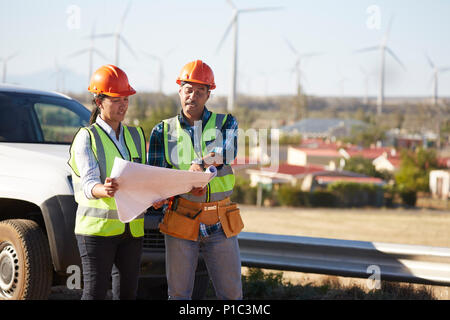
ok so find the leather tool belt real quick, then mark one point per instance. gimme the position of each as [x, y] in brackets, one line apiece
[183, 217]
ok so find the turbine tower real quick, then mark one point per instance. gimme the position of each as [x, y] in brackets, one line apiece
[436, 71]
[5, 63]
[383, 48]
[366, 84]
[118, 37]
[234, 25]
[91, 50]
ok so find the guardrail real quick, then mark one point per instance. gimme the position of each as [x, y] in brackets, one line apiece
[359, 259]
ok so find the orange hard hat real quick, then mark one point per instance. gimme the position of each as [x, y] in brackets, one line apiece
[199, 72]
[111, 81]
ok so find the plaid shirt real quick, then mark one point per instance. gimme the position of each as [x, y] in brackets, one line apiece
[156, 155]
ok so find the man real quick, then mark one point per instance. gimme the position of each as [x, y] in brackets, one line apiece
[203, 219]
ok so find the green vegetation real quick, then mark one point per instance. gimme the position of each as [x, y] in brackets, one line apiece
[414, 172]
[367, 135]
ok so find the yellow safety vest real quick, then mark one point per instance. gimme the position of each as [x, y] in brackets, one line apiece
[179, 153]
[98, 217]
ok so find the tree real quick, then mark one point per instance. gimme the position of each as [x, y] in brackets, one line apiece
[361, 165]
[415, 168]
[164, 109]
[366, 135]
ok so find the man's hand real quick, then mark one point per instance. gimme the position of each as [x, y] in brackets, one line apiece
[106, 190]
[196, 167]
[159, 204]
[213, 159]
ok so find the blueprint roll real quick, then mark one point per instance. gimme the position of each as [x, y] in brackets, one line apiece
[211, 169]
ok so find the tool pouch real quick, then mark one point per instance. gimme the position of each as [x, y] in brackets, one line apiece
[230, 218]
[181, 223]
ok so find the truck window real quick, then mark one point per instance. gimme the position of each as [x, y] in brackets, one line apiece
[32, 118]
[58, 123]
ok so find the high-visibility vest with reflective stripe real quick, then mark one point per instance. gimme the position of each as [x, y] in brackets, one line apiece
[98, 217]
[180, 152]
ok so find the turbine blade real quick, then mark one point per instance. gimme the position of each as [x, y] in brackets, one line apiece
[444, 69]
[231, 4]
[291, 46]
[77, 53]
[429, 61]
[128, 47]
[311, 54]
[104, 35]
[98, 52]
[395, 57]
[151, 56]
[259, 9]
[367, 49]
[169, 52]
[122, 20]
[15, 54]
[226, 33]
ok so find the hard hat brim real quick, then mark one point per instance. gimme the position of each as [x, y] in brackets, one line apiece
[211, 86]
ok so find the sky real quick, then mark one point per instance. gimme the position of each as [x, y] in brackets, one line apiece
[42, 32]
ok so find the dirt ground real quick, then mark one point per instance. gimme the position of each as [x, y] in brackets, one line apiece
[414, 226]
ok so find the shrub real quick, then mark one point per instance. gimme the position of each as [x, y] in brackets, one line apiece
[323, 198]
[243, 193]
[409, 197]
[355, 194]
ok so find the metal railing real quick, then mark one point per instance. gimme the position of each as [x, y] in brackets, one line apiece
[359, 259]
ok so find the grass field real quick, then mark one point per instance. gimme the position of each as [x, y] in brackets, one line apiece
[413, 226]
[422, 227]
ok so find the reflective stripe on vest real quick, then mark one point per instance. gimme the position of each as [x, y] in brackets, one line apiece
[99, 216]
[180, 152]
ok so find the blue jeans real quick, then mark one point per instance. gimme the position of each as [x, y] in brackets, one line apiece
[222, 258]
[114, 258]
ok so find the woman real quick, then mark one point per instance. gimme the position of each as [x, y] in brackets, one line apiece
[105, 243]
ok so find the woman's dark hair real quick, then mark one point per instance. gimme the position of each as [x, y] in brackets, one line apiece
[95, 110]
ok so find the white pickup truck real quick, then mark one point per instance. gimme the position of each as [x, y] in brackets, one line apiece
[37, 206]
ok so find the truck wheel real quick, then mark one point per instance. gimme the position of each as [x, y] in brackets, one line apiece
[25, 263]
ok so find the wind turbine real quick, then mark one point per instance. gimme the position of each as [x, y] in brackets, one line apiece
[342, 80]
[366, 84]
[118, 37]
[160, 61]
[383, 48]
[436, 71]
[91, 50]
[60, 76]
[5, 62]
[297, 66]
[234, 25]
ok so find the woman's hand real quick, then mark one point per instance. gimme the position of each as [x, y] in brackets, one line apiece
[106, 190]
[198, 192]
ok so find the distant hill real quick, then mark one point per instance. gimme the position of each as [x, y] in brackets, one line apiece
[50, 80]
